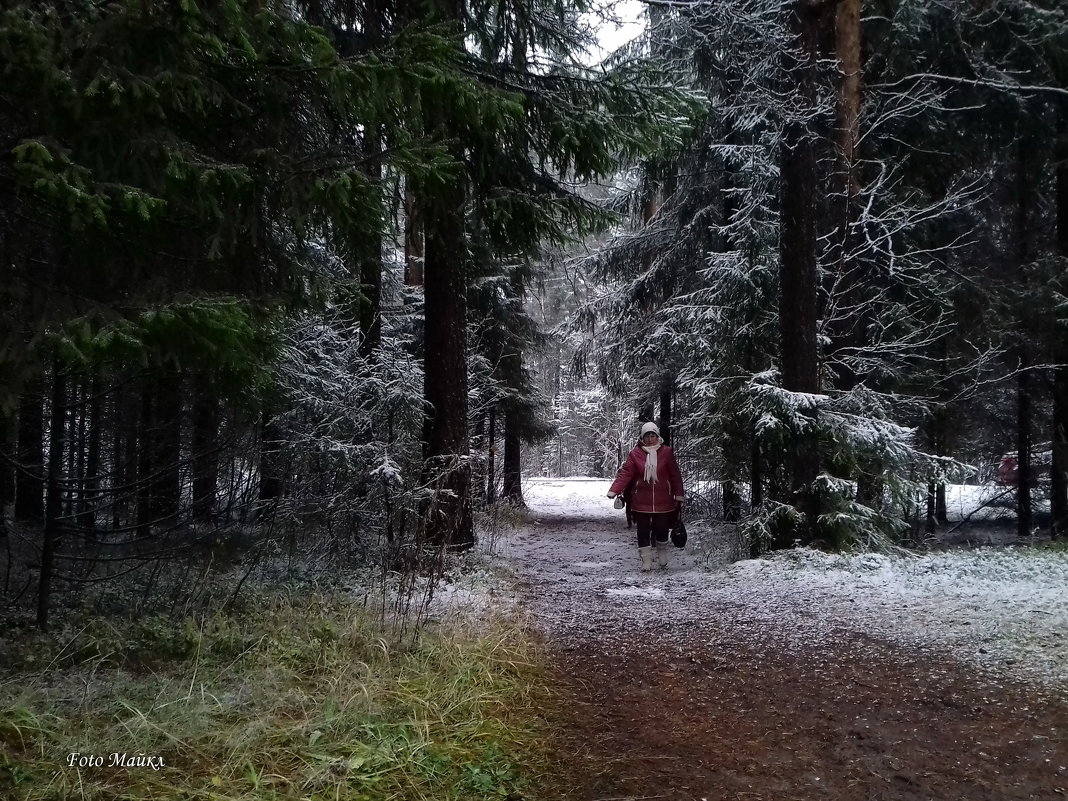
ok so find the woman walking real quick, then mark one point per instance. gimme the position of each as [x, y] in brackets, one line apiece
[655, 488]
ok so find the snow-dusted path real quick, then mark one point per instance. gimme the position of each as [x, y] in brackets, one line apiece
[1005, 612]
[805, 677]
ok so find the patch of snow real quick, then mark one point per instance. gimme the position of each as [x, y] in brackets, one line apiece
[636, 592]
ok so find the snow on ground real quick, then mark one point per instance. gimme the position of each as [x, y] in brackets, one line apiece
[1001, 611]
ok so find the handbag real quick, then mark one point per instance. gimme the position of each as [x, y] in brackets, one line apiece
[678, 530]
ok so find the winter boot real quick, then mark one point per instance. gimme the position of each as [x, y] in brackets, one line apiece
[646, 555]
[663, 554]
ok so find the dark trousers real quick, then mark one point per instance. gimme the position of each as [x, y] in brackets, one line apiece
[656, 523]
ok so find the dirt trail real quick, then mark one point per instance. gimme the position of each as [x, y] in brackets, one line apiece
[676, 688]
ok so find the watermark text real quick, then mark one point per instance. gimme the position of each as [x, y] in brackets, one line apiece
[76, 759]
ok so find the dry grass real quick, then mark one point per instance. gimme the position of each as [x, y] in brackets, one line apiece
[306, 699]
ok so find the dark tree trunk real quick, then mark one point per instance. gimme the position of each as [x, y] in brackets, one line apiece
[413, 239]
[645, 414]
[127, 454]
[513, 465]
[1024, 422]
[7, 475]
[54, 495]
[158, 453]
[666, 391]
[1024, 521]
[756, 476]
[491, 461]
[205, 453]
[1059, 466]
[167, 491]
[272, 472]
[732, 502]
[931, 522]
[75, 469]
[29, 480]
[369, 246]
[446, 446]
[91, 480]
[1059, 485]
[798, 297]
[371, 258]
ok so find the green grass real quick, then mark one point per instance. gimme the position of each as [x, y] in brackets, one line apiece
[304, 699]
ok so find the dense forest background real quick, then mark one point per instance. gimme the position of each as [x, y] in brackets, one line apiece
[321, 280]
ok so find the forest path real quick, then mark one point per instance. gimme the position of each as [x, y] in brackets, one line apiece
[681, 684]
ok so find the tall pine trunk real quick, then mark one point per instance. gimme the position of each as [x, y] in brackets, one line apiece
[667, 389]
[205, 452]
[29, 480]
[90, 483]
[272, 472]
[1059, 485]
[445, 366]
[158, 453]
[798, 295]
[491, 458]
[1024, 473]
[414, 255]
[512, 479]
[371, 242]
[54, 496]
[7, 475]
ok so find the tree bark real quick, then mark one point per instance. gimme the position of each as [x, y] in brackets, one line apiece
[798, 290]
[446, 446]
[91, 480]
[7, 476]
[756, 476]
[932, 522]
[371, 242]
[1059, 467]
[54, 496]
[666, 391]
[272, 472]
[491, 459]
[205, 452]
[850, 91]
[512, 485]
[158, 450]
[1024, 473]
[1024, 517]
[413, 239]
[371, 262]
[29, 480]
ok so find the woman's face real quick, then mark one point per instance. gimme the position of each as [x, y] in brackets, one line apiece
[650, 438]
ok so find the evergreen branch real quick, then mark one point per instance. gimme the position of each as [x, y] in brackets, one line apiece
[996, 85]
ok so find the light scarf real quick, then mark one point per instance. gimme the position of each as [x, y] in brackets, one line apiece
[650, 462]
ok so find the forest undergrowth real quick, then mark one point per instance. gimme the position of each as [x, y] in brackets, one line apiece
[296, 694]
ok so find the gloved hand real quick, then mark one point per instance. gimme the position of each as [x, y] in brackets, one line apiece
[611, 494]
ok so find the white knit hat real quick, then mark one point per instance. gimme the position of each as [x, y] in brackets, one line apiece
[650, 427]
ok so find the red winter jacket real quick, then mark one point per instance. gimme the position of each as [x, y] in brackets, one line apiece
[662, 495]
